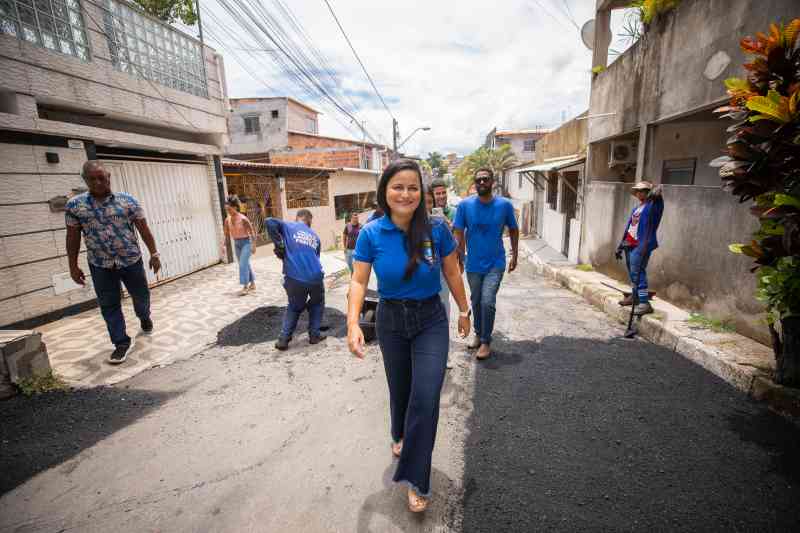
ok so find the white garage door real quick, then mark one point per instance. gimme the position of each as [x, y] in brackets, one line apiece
[177, 203]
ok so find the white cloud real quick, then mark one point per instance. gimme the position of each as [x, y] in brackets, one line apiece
[461, 68]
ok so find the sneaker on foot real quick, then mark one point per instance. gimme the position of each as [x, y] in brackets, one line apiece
[643, 309]
[120, 353]
[282, 344]
[147, 325]
[316, 339]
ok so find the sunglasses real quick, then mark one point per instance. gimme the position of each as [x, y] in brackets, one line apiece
[483, 180]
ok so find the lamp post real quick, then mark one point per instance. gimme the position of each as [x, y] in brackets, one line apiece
[396, 134]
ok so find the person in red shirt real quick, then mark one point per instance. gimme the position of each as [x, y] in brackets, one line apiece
[640, 240]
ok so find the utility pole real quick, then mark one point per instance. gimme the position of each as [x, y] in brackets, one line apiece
[395, 134]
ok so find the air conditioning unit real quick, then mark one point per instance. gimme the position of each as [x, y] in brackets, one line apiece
[622, 153]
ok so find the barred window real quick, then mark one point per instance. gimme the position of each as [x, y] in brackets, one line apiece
[308, 192]
[252, 125]
[346, 204]
[144, 47]
[53, 24]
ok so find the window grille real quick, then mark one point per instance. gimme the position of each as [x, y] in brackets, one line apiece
[308, 192]
[144, 47]
[56, 25]
[345, 204]
[252, 125]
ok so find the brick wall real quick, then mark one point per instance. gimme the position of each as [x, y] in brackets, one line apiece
[315, 151]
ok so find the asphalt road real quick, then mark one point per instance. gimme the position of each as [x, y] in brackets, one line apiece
[567, 428]
[576, 430]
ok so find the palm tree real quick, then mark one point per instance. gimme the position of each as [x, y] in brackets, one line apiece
[499, 161]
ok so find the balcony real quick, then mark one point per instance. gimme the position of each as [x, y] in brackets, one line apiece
[104, 63]
[679, 65]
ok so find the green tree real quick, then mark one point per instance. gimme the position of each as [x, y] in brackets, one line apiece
[170, 10]
[499, 161]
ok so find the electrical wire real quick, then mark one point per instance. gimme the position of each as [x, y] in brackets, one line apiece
[333, 13]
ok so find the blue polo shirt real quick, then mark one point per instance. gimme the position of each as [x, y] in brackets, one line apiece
[383, 245]
[301, 262]
[483, 224]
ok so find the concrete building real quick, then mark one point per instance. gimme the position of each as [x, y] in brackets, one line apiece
[84, 80]
[546, 192]
[650, 118]
[284, 133]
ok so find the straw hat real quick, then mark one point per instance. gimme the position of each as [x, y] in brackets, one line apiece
[642, 186]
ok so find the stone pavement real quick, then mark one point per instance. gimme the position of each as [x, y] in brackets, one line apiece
[187, 314]
[741, 361]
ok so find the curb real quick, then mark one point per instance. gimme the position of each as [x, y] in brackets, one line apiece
[740, 361]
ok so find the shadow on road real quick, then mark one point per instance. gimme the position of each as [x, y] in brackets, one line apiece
[578, 434]
[40, 432]
[264, 325]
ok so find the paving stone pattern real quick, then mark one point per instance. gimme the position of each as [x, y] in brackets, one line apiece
[187, 313]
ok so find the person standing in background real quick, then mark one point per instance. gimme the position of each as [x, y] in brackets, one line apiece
[439, 188]
[238, 227]
[350, 236]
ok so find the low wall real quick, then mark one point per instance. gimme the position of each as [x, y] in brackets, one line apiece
[693, 267]
[553, 228]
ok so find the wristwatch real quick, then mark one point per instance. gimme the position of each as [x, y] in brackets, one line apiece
[156, 255]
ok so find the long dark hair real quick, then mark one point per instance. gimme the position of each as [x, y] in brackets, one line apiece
[419, 230]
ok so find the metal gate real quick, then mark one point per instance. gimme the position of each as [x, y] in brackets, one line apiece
[176, 198]
[260, 197]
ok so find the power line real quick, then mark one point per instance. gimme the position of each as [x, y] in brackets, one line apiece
[358, 58]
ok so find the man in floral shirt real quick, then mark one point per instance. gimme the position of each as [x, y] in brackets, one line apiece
[108, 222]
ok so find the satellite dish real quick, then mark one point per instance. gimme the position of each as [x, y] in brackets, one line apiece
[587, 34]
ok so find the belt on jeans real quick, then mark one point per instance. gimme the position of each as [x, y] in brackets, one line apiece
[411, 303]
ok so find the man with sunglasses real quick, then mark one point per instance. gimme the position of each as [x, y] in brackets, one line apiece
[482, 219]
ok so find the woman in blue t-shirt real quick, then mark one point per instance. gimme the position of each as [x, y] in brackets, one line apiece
[408, 252]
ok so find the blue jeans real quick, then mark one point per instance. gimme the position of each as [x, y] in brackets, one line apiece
[302, 297]
[637, 270]
[243, 252]
[108, 287]
[348, 257]
[483, 293]
[414, 341]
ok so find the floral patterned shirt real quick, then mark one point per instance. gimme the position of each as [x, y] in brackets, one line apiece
[107, 225]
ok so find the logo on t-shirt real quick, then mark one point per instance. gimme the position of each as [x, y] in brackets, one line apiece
[306, 238]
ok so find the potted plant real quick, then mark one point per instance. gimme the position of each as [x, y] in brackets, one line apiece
[762, 165]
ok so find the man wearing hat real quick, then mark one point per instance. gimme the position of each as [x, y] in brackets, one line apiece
[640, 240]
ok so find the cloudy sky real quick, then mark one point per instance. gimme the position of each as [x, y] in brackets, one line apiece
[460, 68]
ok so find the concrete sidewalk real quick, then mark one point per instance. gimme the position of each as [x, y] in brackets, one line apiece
[187, 314]
[741, 361]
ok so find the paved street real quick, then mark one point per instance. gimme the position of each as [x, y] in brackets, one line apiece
[566, 429]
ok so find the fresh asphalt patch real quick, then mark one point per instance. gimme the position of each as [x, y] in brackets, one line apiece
[263, 325]
[581, 434]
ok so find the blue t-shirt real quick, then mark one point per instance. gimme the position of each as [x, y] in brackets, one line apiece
[383, 245]
[483, 224]
[302, 248]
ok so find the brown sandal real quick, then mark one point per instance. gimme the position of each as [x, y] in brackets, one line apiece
[397, 448]
[416, 503]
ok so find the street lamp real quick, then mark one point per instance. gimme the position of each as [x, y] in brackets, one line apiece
[398, 146]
